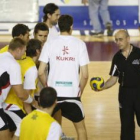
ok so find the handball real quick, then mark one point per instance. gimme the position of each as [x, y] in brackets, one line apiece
[96, 83]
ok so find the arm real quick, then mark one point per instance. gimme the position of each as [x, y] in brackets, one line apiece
[16, 83]
[110, 82]
[29, 84]
[84, 77]
[114, 74]
[42, 73]
[22, 94]
[27, 106]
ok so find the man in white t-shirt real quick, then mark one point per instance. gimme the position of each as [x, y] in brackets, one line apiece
[10, 76]
[65, 55]
[13, 106]
[50, 18]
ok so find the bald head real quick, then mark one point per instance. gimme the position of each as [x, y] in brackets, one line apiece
[122, 32]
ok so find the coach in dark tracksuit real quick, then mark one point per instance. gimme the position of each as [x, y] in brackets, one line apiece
[126, 69]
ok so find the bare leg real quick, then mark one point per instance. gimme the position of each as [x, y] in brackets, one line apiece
[12, 134]
[81, 130]
[58, 116]
[5, 135]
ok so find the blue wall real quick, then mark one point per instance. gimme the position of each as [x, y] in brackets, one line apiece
[125, 17]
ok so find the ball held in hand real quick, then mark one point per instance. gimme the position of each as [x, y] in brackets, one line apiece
[97, 83]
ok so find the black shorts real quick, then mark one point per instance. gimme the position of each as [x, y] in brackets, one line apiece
[10, 119]
[3, 121]
[14, 118]
[71, 108]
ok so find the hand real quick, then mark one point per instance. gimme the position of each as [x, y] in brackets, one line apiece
[35, 104]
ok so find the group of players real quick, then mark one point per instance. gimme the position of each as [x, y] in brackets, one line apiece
[23, 70]
[24, 67]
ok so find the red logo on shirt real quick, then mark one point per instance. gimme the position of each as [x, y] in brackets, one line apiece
[65, 58]
[65, 50]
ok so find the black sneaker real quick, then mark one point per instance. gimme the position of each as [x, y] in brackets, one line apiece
[109, 29]
[99, 34]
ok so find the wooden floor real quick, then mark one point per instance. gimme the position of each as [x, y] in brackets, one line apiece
[101, 108]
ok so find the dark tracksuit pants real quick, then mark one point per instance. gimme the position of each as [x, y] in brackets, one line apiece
[129, 99]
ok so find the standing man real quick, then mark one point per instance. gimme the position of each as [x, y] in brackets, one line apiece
[65, 54]
[10, 76]
[41, 32]
[51, 16]
[96, 8]
[126, 69]
[39, 125]
[13, 106]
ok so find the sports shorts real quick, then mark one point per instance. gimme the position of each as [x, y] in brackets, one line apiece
[71, 108]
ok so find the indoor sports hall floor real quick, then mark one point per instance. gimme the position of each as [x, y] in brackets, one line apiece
[101, 108]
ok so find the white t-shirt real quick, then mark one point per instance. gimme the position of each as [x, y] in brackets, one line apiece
[53, 33]
[10, 74]
[65, 54]
[30, 78]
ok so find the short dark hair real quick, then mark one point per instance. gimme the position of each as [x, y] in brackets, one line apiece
[40, 26]
[16, 43]
[49, 8]
[65, 22]
[19, 29]
[47, 97]
[32, 46]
